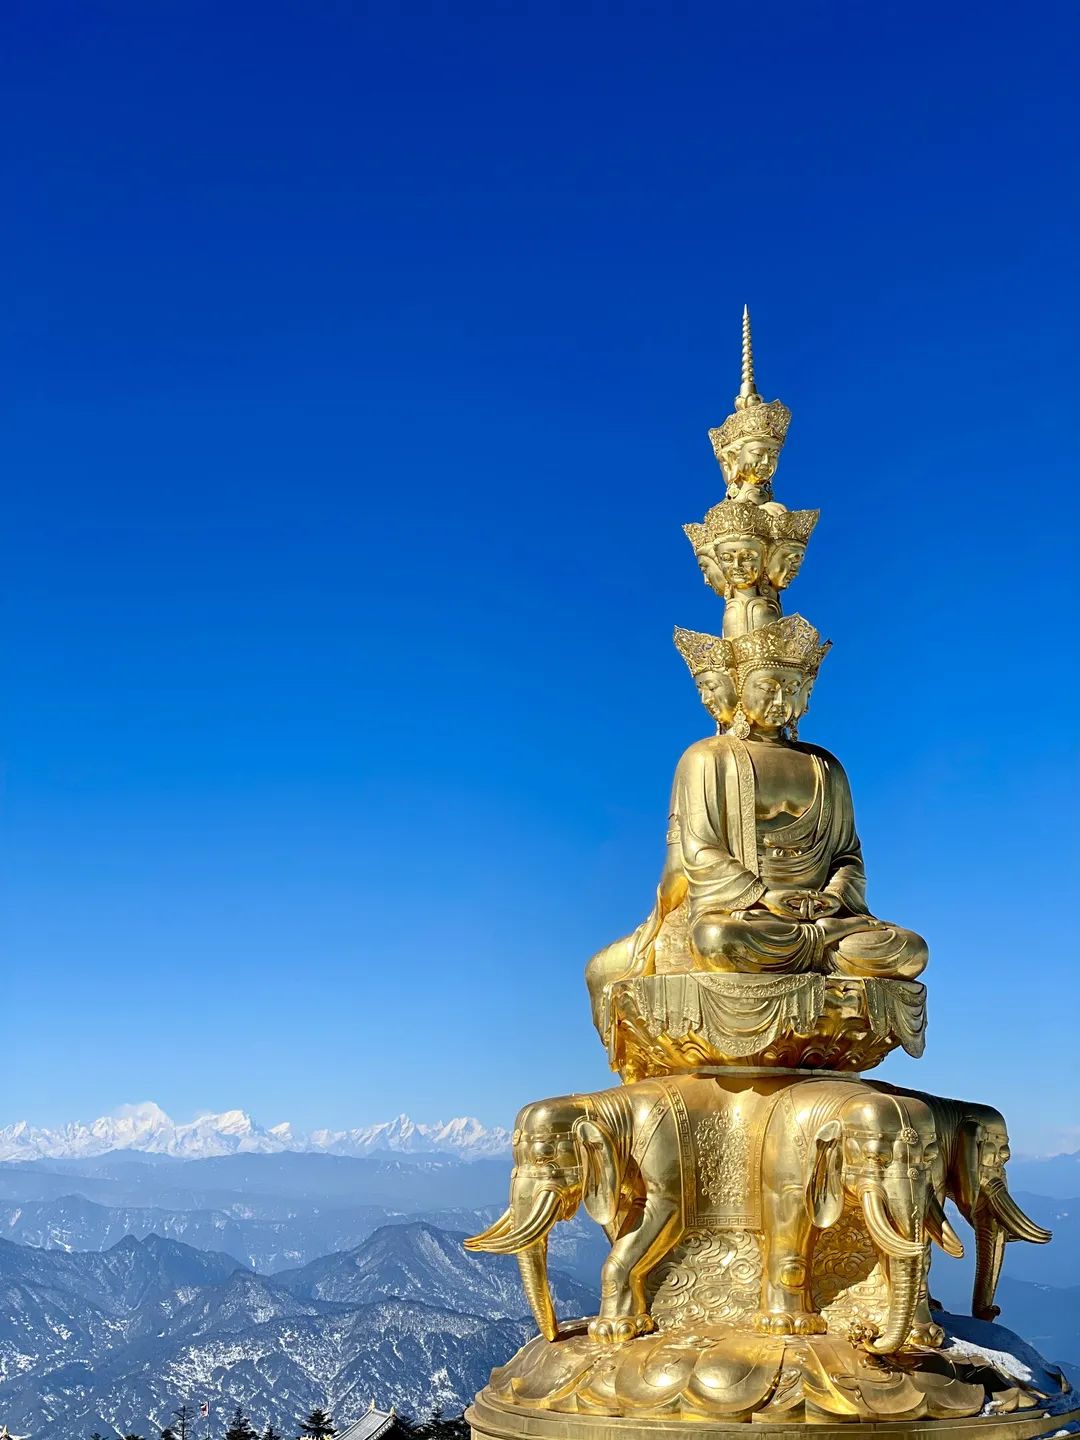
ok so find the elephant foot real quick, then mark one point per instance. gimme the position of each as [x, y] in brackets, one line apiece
[930, 1335]
[617, 1329]
[767, 1322]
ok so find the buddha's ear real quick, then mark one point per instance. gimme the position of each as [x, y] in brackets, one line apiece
[824, 1183]
[600, 1180]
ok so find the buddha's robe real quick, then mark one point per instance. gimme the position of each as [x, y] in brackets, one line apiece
[722, 856]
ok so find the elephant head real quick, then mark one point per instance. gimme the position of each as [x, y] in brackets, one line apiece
[881, 1151]
[976, 1182]
[555, 1164]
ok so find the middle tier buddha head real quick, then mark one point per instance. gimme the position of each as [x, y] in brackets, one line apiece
[775, 669]
[731, 545]
[741, 546]
[789, 534]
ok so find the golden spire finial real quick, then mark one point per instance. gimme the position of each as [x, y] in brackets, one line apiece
[748, 391]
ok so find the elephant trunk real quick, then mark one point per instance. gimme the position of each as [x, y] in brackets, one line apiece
[883, 1232]
[989, 1252]
[534, 1277]
[998, 1218]
[904, 1280]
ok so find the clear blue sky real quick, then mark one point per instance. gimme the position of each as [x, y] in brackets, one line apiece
[356, 369]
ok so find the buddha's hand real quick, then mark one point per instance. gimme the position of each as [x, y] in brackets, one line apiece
[788, 904]
[800, 904]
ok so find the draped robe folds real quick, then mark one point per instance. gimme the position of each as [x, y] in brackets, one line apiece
[723, 859]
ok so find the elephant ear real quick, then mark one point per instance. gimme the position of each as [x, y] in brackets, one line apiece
[599, 1170]
[824, 1184]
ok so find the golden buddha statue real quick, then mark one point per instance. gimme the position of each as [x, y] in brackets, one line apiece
[769, 1208]
[761, 833]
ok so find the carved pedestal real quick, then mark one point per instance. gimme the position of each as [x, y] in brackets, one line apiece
[663, 1024]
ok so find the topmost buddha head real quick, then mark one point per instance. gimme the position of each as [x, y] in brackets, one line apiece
[749, 442]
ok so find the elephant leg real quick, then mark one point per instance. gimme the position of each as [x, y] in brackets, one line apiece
[623, 1311]
[785, 1286]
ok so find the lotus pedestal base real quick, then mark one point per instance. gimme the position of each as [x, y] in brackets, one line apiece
[715, 1380]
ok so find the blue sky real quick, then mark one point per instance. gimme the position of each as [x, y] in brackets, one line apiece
[356, 369]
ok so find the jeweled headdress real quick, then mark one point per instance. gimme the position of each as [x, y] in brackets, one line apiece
[795, 525]
[789, 641]
[752, 418]
[703, 652]
[731, 519]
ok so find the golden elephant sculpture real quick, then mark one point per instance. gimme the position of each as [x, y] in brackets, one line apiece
[780, 1157]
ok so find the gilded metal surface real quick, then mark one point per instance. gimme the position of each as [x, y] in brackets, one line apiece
[668, 1022]
[770, 1211]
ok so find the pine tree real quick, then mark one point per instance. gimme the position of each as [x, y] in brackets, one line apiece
[183, 1421]
[317, 1426]
[168, 1433]
[240, 1429]
[271, 1432]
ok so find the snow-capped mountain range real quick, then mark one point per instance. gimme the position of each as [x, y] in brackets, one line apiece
[147, 1129]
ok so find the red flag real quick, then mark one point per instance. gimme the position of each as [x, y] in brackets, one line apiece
[204, 1409]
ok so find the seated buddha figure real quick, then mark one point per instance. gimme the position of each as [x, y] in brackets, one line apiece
[762, 847]
[732, 545]
[762, 840]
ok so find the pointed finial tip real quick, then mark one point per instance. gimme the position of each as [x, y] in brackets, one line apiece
[748, 394]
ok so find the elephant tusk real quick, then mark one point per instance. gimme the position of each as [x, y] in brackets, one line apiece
[1019, 1225]
[937, 1222]
[495, 1230]
[533, 1228]
[882, 1231]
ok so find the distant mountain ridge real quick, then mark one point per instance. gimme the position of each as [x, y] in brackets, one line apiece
[146, 1129]
[113, 1341]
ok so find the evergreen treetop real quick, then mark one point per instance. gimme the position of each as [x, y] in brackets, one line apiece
[317, 1426]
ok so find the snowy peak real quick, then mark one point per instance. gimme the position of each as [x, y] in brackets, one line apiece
[146, 1128]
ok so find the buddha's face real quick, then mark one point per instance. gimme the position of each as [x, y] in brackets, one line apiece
[714, 576]
[756, 461]
[717, 691]
[741, 561]
[784, 562]
[774, 695]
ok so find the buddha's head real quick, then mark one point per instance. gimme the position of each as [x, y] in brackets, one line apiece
[717, 691]
[751, 461]
[710, 569]
[741, 561]
[708, 658]
[730, 545]
[785, 558]
[775, 668]
[773, 696]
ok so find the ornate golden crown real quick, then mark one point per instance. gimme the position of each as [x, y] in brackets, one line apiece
[702, 652]
[794, 525]
[730, 519]
[789, 641]
[753, 419]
